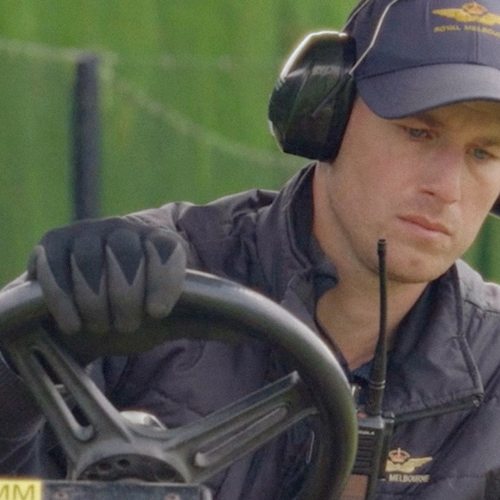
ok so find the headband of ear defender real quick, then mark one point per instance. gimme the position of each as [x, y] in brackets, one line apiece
[310, 105]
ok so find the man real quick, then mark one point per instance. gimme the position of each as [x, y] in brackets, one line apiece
[418, 164]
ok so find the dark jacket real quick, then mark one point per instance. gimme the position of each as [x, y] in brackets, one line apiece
[443, 377]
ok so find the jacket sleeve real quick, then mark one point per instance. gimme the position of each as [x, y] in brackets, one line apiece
[20, 425]
[24, 435]
[20, 419]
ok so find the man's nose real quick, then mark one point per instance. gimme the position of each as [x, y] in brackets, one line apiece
[442, 176]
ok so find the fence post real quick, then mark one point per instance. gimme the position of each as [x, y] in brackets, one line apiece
[86, 140]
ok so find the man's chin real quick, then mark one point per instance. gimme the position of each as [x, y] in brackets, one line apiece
[415, 270]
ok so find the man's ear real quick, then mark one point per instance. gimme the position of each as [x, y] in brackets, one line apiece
[495, 210]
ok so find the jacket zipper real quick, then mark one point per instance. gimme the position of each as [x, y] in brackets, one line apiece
[467, 403]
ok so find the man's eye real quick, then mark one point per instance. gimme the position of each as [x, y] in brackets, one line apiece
[480, 154]
[417, 133]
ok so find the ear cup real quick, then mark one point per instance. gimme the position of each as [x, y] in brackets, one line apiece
[310, 105]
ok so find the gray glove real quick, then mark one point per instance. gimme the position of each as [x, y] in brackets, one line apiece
[105, 276]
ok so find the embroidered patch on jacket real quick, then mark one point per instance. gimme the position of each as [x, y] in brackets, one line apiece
[401, 467]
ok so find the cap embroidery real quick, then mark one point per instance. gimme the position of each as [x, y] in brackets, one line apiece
[471, 12]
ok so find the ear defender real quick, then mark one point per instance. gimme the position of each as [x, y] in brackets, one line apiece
[310, 105]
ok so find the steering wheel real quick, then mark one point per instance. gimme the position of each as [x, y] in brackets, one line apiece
[105, 445]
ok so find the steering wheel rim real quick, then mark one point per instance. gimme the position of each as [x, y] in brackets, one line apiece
[256, 316]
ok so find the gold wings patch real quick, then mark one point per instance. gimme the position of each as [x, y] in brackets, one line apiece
[470, 13]
[407, 467]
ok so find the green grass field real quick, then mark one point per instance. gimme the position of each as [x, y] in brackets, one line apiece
[184, 87]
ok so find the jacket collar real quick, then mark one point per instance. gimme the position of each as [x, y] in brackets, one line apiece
[432, 365]
[283, 235]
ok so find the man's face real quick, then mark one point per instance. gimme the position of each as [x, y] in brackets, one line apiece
[424, 183]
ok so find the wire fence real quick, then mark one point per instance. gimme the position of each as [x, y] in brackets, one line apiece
[109, 64]
[156, 145]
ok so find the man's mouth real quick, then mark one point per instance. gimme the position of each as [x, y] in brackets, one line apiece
[426, 224]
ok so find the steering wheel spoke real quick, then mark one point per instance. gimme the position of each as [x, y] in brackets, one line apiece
[214, 442]
[73, 405]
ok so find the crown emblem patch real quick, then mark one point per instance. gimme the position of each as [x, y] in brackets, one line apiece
[400, 460]
[401, 467]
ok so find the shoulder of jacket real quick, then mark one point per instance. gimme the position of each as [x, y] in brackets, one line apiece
[185, 217]
[476, 291]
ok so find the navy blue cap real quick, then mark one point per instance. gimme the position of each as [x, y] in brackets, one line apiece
[427, 53]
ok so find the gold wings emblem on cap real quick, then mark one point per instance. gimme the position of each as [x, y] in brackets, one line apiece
[470, 13]
[408, 467]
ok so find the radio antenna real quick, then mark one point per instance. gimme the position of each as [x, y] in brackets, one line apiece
[376, 383]
[374, 427]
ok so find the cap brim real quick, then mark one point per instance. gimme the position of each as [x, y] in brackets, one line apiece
[410, 91]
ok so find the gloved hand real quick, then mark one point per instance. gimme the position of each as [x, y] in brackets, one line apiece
[101, 278]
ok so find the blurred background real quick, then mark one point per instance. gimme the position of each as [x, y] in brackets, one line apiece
[180, 89]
